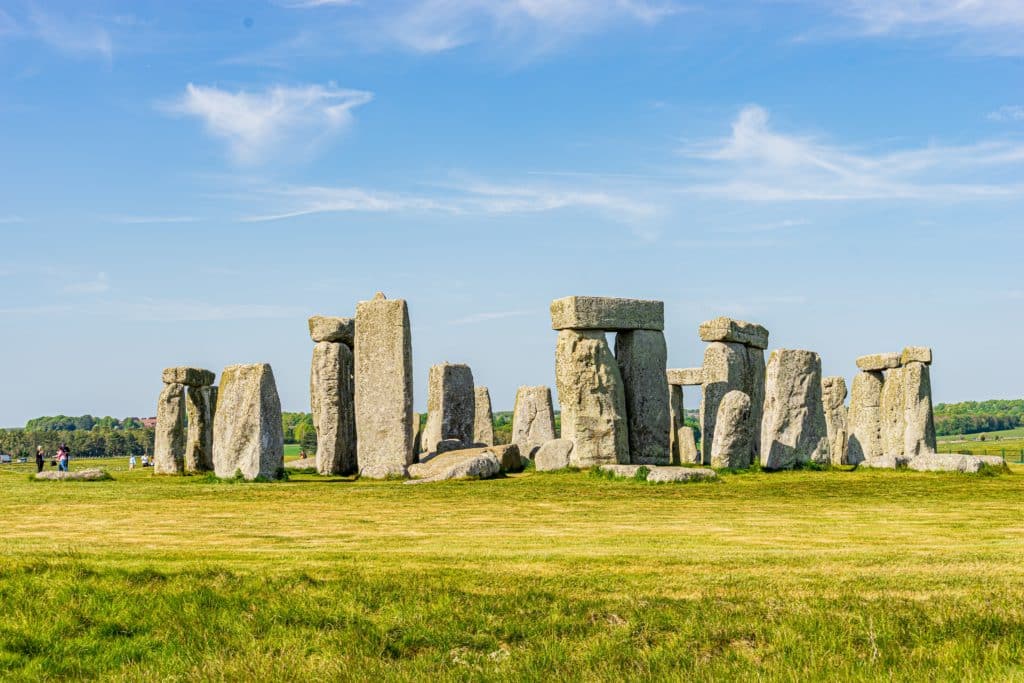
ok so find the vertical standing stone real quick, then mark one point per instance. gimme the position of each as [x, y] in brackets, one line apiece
[864, 420]
[833, 398]
[794, 430]
[248, 438]
[451, 406]
[733, 446]
[483, 425]
[200, 406]
[753, 386]
[533, 420]
[642, 357]
[331, 391]
[592, 399]
[417, 432]
[688, 453]
[893, 412]
[169, 440]
[677, 419]
[383, 379]
[725, 370]
[919, 433]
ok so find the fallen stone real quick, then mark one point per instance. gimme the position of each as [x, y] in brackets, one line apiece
[733, 446]
[451, 406]
[191, 377]
[533, 419]
[724, 329]
[79, 475]
[685, 377]
[833, 398]
[383, 387]
[170, 436]
[641, 356]
[793, 431]
[864, 420]
[878, 361]
[507, 455]
[554, 455]
[893, 411]
[592, 398]
[301, 464]
[627, 471]
[944, 462]
[725, 370]
[605, 313]
[449, 445]
[200, 406]
[884, 462]
[332, 400]
[916, 354]
[919, 418]
[247, 433]
[665, 475]
[688, 453]
[992, 460]
[323, 328]
[456, 465]
[483, 423]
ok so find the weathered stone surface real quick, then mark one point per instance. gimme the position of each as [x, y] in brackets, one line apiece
[688, 453]
[833, 398]
[383, 381]
[451, 406]
[324, 328]
[448, 445]
[533, 419]
[554, 455]
[919, 420]
[170, 438]
[725, 370]
[332, 399]
[200, 405]
[685, 377]
[627, 471]
[677, 418]
[944, 462]
[992, 460]
[737, 331]
[642, 355]
[733, 445]
[417, 432]
[463, 464]
[878, 361]
[507, 455]
[605, 313]
[753, 386]
[247, 431]
[793, 431]
[864, 421]
[884, 462]
[667, 475]
[93, 474]
[893, 411]
[301, 464]
[916, 354]
[483, 423]
[190, 377]
[592, 399]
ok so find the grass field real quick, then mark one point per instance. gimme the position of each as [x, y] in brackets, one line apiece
[793, 576]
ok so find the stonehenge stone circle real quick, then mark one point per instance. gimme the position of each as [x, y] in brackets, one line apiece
[332, 400]
[605, 313]
[483, 423]
[247, 434]
[725, 370]
[553, 455]
[324, 328]
[864, 420]
[893, 411]
[170, 438]
[451, 406]
[728, 330]
[200, 407]
[533, 419]
[592, 398]
[878, 361]
[793, 431]
[919, 420]
[641, 356]
[685, 377]
[191, 377]
[833, 396]
[383, 387]
[733, 445]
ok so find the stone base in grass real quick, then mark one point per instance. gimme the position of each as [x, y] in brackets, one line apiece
[80, 475]
[663, 474]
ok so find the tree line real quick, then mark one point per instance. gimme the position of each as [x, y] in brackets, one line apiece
[94, 443]
[972, 417]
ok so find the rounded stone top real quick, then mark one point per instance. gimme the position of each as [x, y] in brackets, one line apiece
[379, 296]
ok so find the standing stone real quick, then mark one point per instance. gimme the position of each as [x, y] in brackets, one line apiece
[451, 406]
[169, 440]
[592, 398]
[733, 445]
[483, 424]
[833, 398]
[865, 418]
[533, 419]
[417, 432]
[794, 430]
[383, 379]
[642, 357]
[688, 453]
[677, 419]
[200, 406]
[919, 431]
[753, 386]
[893, 412]
[247, 432]
[332, 399]
[725, 370]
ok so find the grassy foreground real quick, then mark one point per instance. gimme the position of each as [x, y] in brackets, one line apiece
[792, 576]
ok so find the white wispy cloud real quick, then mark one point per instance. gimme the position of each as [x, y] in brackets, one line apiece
[63, 32]
[97, 285]
[1007, 113]
[280, 119]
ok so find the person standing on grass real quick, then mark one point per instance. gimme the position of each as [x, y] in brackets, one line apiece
[62, 458]
[131, 462]
[40, 458]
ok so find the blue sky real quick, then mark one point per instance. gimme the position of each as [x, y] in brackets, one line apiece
[186, 186]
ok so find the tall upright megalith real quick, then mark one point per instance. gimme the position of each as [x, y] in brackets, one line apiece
[248, 438]
[533, 419]
[794, 430]
[725, 370]
[451, 406]
[483, 423]
[200, 407]
[642, 357]
[332, 401]
[833, 398]
[733, 446]
[170, 438]
[383, 387]
[864, 421]
[919, 419]
[893, 412]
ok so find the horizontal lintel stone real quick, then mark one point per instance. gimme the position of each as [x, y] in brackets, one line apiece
[685, 377]
[606, 313]
[324, 328]
[737, 331]
[190, 377]
[879, 361]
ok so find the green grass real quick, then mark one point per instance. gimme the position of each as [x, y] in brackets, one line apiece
[793, 576]
[1004, 434]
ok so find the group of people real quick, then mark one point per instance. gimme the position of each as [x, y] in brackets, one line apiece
[60, 459]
